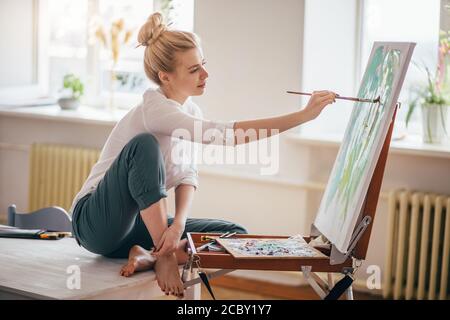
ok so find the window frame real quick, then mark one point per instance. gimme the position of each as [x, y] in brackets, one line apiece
[40, 72]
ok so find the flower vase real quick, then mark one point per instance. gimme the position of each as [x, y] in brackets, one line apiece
[434, 118]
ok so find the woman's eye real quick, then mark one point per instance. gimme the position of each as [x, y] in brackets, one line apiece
[196, 69]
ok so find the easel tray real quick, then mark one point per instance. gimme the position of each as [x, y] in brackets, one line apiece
[225, 260]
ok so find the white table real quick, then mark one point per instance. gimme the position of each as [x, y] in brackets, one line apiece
[47, 269]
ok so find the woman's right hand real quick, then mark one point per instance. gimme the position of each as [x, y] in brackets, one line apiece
[169, 241]
[318, 101]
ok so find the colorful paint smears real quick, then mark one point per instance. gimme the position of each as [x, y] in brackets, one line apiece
[269, 248]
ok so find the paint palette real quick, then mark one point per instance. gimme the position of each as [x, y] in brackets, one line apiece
[269, 248]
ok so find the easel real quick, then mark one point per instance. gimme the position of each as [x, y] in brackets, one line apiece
[335, 262]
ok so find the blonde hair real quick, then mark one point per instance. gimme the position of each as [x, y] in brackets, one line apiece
[162, 44]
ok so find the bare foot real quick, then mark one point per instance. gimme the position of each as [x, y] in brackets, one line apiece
[139, 259]
[168, 276]
[181, 253]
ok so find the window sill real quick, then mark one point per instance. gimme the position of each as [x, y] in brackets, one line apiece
[409, 145]
[84, 114]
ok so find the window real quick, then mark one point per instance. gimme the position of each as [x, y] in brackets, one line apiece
[381, 20]
[329, 59]
[67, 46]
[73, 47]
[337, 44]
[23, 54]
[131, 79]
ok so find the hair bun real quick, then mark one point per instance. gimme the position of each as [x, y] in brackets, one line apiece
[152, 29]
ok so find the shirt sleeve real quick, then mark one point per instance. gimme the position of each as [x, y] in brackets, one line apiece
[190, 174]
[165, 116]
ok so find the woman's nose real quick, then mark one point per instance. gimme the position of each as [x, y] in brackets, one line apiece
[204, 73]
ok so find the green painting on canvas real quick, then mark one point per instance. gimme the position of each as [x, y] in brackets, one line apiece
[362, 142]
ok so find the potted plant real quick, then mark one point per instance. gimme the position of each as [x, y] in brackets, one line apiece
[74, 88]
[433, 97]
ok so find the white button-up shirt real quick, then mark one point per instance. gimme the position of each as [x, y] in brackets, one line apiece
[168, 121]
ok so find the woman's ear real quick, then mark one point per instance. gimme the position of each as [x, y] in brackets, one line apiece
[164, 77]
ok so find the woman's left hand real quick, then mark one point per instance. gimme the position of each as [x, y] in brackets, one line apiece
[169, 241]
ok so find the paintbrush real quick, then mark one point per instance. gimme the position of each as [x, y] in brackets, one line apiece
[376, 100]
[225, 235]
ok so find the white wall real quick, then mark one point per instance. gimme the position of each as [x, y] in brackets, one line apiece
[253, 50]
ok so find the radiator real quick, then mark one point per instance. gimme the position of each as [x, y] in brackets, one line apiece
[418, 246]
[57, 173]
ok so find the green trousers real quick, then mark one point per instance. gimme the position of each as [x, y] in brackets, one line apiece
[107, 221]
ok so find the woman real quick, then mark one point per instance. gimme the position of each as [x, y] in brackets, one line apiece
[121, 210]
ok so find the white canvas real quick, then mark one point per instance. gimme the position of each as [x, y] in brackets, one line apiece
[362, 143]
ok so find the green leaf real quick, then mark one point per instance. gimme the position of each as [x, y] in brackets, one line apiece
[70, 81]
[411, 107]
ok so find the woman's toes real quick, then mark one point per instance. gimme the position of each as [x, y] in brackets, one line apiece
[127, 270]
[182, 291]
[163, 287]
[179, 291]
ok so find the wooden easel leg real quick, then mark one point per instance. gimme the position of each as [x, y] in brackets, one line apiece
[314, 281]
[330, 280]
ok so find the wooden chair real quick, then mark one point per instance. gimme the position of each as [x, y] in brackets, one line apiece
[50, 218]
